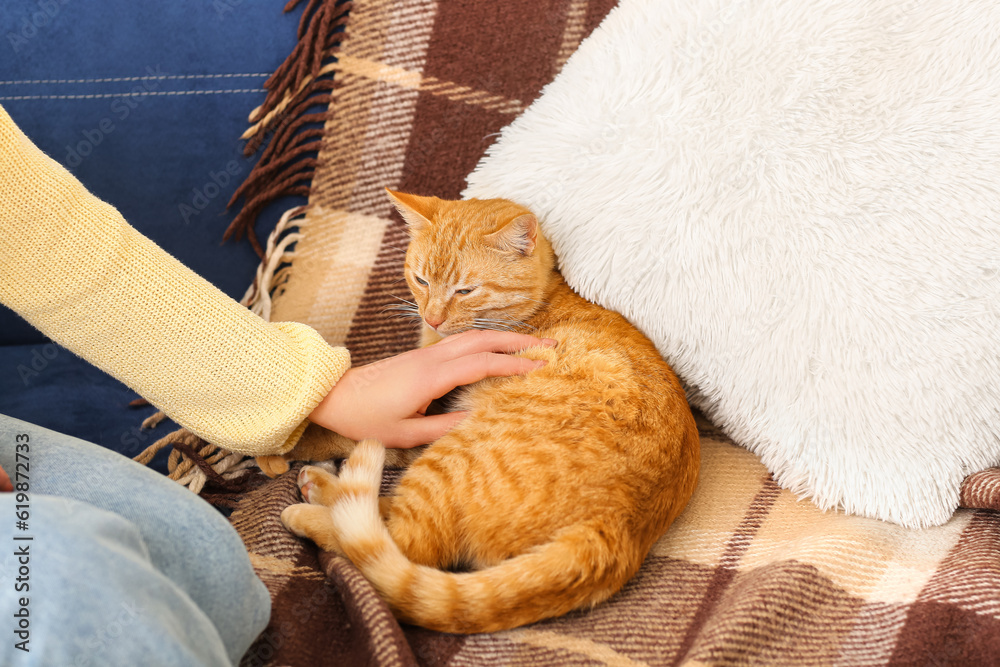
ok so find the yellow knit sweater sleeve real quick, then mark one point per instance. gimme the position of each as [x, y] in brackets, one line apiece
[72, 267]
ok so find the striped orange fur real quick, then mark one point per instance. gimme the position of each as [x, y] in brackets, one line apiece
[549, 495]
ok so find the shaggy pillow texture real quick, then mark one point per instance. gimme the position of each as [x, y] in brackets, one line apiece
[799, 203]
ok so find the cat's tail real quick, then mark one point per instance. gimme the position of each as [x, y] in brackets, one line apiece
[573, 570]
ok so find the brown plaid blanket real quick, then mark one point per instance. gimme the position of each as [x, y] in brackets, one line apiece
[409, 96]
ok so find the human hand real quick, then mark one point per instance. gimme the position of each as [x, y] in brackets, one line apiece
[387, 400]
[5, 484]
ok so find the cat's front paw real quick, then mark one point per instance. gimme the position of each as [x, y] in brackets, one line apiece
[318, 486]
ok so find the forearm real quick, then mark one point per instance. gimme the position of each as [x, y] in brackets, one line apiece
[74, 268]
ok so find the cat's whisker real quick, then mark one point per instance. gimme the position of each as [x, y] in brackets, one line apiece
[406, 306]
[403, 312]
[407, 316]
[496, 325]
[501, 322]
[401, 309]
[511, 323]
[488, 327]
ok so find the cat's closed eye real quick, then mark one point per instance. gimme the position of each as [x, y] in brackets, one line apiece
[420, 280]
[463, 292]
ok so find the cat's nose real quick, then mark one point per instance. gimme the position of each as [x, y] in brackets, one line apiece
[434, 322]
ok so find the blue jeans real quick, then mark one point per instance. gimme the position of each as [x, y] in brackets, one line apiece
[124, 567]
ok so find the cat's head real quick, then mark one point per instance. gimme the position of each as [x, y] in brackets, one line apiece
[474, 264]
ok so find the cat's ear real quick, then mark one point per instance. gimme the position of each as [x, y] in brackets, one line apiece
[417, 211]
[519, 235]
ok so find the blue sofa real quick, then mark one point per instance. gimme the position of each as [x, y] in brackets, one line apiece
[144, 103]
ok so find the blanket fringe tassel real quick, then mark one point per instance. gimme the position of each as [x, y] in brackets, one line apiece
[194, 462]
[303, 82]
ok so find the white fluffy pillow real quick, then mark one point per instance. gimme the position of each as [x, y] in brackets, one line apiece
[799, 202]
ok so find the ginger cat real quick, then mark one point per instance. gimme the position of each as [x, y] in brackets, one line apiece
[551, 492]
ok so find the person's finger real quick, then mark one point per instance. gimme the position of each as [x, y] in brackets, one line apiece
[472, 342]
[423, 430]
[5, 484]
[475, 367]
